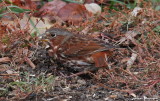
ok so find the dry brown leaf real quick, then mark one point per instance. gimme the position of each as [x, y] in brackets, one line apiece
[52, 7]
[25, 4]
[73, 13]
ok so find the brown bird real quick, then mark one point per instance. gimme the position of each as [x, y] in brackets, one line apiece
[78, 52]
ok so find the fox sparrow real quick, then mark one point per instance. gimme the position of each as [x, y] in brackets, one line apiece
[78, 52]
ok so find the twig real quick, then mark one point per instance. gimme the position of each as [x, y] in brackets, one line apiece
[16, 74]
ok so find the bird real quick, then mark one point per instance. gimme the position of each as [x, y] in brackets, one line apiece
[77, 52]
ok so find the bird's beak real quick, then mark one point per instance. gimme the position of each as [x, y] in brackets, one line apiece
[45, 40]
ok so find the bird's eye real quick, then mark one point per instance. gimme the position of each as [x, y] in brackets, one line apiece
[53, 35]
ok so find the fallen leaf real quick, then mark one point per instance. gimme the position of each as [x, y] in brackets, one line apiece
[93, 8]
[136, 11]
[73, 13]
[29, 4]
[52, 7]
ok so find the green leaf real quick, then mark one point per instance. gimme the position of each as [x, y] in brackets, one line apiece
[157, 29]
[5, 39]
[2, 9]
[117, 1]
[74, 1]
[3, 14]
[17, 9]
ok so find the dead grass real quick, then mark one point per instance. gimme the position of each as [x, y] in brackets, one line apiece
[18, 79]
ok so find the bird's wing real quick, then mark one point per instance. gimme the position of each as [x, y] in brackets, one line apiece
[83, 46]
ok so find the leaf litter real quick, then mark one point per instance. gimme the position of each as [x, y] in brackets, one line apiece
[28, 73]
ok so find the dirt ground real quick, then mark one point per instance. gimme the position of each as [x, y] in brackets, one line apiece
[28, 73]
